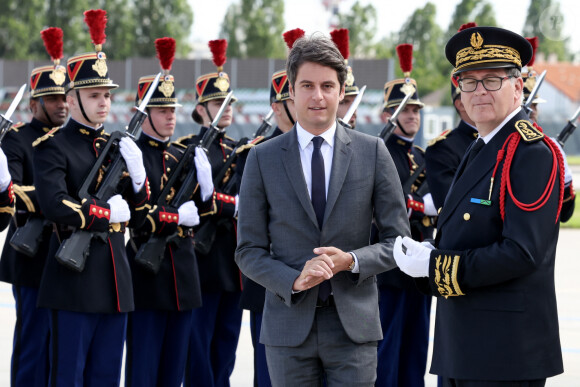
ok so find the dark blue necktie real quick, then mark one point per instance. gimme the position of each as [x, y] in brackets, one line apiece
[318, 180]
[319, 199]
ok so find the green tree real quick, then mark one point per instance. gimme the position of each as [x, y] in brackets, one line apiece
[158, 19]
[361, 23]
[20, 25]
[254, 29]
[480, 12]
[421, 30]
[546, 21]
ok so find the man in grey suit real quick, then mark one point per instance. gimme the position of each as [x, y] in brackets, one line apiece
[306, 204]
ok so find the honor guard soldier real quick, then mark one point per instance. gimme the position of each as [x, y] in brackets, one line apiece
[88, 304]
[215, 327]
[24, 269]
[444, 153]
[402, 354]
[529, 78]
[351, 90]
[253, 295]
[158, 329]
[6, 193]
[492, 267]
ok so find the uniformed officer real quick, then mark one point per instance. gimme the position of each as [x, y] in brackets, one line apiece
[88, 308]
[254, 295]
[529, 77]
[158, 329]
[215, 327]
[404, 311]
[444, 153]
[492, 267]
[6, 193]
[340, 38]
[49, 109]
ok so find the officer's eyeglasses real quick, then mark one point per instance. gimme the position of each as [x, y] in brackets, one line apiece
[468, 85]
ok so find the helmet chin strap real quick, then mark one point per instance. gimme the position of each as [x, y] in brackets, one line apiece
[82, 108]
[45, 112]
[151, 123]
[208, 113]
[403, 130]
[288, 113]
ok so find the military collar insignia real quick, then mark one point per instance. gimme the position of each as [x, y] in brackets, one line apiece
[528, 132]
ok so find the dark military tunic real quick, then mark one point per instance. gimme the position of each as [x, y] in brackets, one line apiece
[62, 160]
[17, 268]
[218, 270]
[494, 277]
[6, 207]
[176, 286]
[443, 156]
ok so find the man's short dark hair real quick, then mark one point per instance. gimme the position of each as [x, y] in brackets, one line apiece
[317, 49]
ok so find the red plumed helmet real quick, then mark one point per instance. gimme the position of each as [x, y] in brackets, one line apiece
[218, 50]
[405, 52]
[534, 42]
[96, 19]
[165, 48]
[292, 35]
[466, 26]
[340, 38]
[52, 38]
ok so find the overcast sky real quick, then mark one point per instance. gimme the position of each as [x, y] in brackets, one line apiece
[310, 15]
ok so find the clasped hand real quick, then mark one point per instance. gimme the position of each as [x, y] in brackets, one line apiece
[414, 259]
[329, 261]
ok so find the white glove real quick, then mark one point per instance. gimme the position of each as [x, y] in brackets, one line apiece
[119, 209]
[4, 172]
[430, 209]
[567, 171]
[203, 169]
[413, 262]
[188, 215]
[134, 160]
[237, 199]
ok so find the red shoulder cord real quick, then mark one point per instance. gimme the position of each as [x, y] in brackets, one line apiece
[557, 164]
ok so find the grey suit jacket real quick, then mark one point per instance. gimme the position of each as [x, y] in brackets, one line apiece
[277, 231]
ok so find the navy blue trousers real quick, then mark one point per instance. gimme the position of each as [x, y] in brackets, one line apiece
[31, 337]
[156, 347]
[215, 330]
[402, 354]
[86, 349]
[261, 374]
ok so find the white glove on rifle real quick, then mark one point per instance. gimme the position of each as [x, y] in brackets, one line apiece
[134, 160]
[119, 208]
[415, 260]
[204, 178]
[4, 172]
[188, 215]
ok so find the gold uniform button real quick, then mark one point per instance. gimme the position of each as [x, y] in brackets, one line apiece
[439, 210]
[100, 212]
[163, 216]
[466, 216]
[175, 218]
[94, 209]
[106, 213]
[166, 157]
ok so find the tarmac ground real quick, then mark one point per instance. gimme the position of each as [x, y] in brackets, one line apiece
[567, 290]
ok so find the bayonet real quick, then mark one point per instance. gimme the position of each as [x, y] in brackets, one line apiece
[344, 121]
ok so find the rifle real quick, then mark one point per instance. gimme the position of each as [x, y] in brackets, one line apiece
[353, 106]
[5, 122]
[392, 122]
[568, 129]
[539, 80]
[151, 253]
[74, 251]
[265, 126]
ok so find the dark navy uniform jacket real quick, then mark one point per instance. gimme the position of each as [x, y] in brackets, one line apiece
[17, 268]
[254, 295]
[62, 159]
[407, 158]
[443, 156]
[496, 308]
[6, 207]
[176, 286]
[218, 270]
